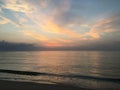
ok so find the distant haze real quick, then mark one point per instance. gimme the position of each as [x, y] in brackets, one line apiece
[9, 46]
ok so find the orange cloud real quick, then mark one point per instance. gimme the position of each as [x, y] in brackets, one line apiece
[35, 35]
[45, 40]
[3, 21]
[45, 24]
[103, 26]
[52, 27]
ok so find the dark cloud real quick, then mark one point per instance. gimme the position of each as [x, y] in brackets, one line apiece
[63, 14]
[68, 18]
[9, 46]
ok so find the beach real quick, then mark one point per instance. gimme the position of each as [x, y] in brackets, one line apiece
[15, 85]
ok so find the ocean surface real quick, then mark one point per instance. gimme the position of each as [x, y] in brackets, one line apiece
[87, 69]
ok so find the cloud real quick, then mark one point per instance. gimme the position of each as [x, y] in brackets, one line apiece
[63, 15]
[58, 11]
[56, 23]
[7, 20]
[46, 41]
[38, 3]
[106, 26]
[41, 20]
[46, 24]
[9, 46]
[15, 5]
[103, 34]
[3, 21]
[35, 35]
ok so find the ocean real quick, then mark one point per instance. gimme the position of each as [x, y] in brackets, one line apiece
[87, 69]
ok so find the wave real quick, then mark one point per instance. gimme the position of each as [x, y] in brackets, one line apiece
[117, 80]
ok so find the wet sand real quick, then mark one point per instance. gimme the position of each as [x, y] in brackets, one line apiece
[15, 85]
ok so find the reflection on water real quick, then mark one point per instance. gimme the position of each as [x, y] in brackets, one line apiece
[80, 63]
[95, 63]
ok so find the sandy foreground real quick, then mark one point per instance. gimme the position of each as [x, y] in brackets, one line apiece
[15, 85]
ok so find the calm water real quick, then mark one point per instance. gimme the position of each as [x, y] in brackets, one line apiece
[88, 69]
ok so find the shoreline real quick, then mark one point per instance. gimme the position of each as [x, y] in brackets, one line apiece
[18, 85]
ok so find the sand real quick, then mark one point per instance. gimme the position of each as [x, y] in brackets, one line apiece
[15, 85]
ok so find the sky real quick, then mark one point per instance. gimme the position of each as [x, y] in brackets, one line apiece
[61, 23]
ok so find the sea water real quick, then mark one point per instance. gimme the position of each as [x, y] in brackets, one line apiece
[87, 69]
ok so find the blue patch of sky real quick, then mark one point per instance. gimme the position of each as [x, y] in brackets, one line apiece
[9, 15]
[91, 9]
